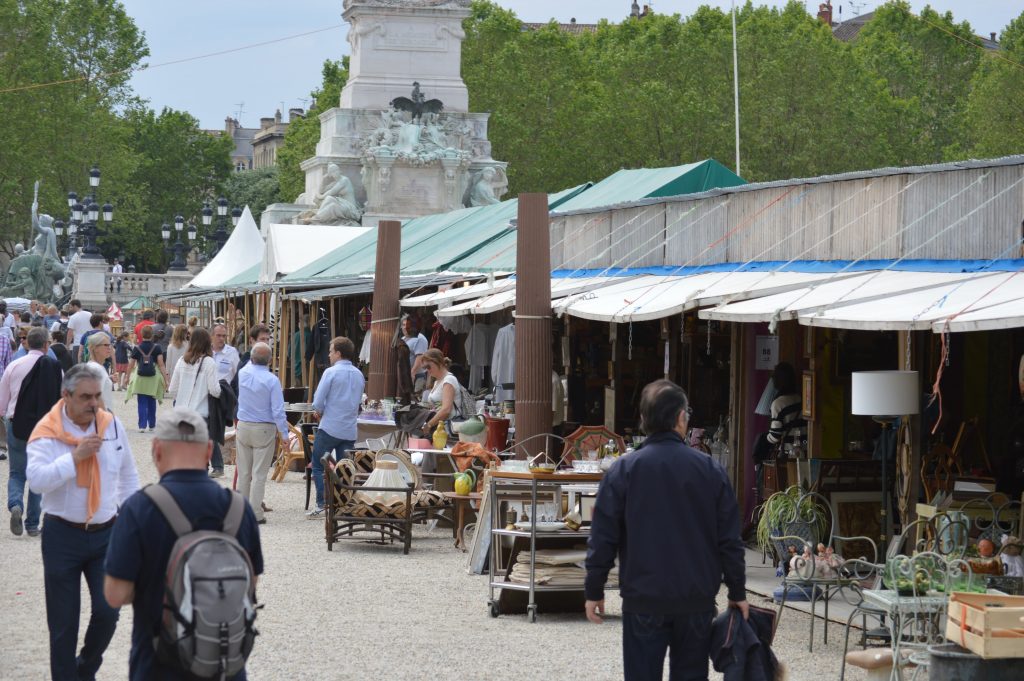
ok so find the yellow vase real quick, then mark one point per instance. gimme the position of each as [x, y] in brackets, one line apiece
[440, 436]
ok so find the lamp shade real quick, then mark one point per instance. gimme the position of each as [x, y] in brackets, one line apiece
[884, 393]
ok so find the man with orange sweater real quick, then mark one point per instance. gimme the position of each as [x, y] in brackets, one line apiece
[80, 461]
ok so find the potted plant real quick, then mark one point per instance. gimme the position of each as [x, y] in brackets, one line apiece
[793, 512]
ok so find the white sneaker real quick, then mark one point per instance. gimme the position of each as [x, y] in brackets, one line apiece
[317, 512]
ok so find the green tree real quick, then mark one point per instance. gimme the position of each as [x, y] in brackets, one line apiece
[179, 167]
[254, 188]
[927, 62]
[303, 134]
[995, 108]
[54, 133]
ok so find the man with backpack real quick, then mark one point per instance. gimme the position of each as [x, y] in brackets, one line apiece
[185, 524]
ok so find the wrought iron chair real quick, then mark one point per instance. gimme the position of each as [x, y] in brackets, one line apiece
[820, 577]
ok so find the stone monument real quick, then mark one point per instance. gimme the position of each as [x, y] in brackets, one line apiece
[37, 274]
[402, 143]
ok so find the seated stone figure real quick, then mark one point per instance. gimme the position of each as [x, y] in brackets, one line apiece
[335, 203]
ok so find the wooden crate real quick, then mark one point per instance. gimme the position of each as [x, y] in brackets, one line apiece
[989, 626]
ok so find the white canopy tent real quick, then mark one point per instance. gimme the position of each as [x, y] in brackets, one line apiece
[242, 250]
[655, 297]
[292, 247]
[846, 288]
[920, 309]
[506, 299]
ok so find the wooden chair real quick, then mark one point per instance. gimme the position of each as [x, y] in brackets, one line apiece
[585, 438]
[287, 453]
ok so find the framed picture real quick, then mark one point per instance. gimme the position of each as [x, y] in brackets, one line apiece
[807, 396]
[858, 514]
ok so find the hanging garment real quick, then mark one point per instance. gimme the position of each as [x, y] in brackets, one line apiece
[442, 339]
[479, 348]
[503, 362]
[320, 347]
[364, 350]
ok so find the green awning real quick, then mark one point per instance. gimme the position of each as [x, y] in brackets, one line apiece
[140, 303]
[645, 183]
[249, 277]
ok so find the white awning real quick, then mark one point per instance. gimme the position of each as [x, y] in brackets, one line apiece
[846, 288]
[655, 297]
[921, 308]
[982, 317]
[242, 250]
[506, 299]
[457, 293]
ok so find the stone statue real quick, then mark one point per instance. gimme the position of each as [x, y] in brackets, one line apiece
[335, 203]
[485, 187]
[417, 104]
[37, 274]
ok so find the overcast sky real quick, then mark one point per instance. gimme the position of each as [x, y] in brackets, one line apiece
[280, 75]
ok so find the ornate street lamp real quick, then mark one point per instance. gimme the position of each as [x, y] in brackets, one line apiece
[91, 211]
[179, 249]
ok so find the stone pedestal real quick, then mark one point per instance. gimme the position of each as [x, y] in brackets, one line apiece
[90, 282]
[392, 38]
[426, 156]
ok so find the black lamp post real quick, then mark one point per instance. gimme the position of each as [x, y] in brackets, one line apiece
[180, 249]
[221, 234]
[91, 213]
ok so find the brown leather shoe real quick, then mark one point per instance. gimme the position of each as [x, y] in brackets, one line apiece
[266, 509]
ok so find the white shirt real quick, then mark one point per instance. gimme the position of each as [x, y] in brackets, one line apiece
[437, 393]
[503, 361]
[79, 324]
[10, 321]
[191, 383]
[117, 269]
[227, 360]
[557, 400]
[51, 472]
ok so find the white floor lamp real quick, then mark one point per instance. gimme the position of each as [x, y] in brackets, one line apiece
[886, 396]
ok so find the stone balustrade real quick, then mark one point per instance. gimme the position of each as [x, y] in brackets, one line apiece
[129, 285]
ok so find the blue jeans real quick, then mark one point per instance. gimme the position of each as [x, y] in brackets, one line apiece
[147, 411]
[325, 442]
[68, 554]
[646, 638]
[16, 482]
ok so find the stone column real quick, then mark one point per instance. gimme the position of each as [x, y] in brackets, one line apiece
[385, 310]
[533, 324]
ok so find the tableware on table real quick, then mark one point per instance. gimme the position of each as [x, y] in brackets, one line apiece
[573, 520]
[542, 525]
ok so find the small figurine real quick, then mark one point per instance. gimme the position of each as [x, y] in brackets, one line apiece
[987, 562]
[1013, 562]
[803, 565]
[821, 550]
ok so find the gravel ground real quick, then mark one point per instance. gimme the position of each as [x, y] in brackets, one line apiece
[365, 611]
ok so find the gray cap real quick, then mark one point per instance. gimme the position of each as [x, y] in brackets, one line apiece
[182, 425]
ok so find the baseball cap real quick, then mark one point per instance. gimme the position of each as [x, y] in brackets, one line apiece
[182, 425]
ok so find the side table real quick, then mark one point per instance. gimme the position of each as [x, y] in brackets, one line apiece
[462, 505]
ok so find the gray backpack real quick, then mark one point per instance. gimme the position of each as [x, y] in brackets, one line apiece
[210, 594]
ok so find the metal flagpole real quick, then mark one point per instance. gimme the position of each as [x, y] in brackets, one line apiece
[736, 85]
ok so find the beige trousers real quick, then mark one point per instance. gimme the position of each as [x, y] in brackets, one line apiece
[254, 445]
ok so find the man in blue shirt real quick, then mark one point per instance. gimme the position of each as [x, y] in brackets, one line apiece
[260, 419]
[336, 406]
[141, 541]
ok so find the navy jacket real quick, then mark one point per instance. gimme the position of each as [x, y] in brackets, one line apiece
[741, 649]
[669, 514]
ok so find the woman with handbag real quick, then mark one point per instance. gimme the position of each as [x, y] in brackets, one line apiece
[194, 380]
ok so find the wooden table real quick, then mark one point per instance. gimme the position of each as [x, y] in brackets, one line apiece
[462, 504]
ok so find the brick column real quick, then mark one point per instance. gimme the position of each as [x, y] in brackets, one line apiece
[533, 324]
[385, 310]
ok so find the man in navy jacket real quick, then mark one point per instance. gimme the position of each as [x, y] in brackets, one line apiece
[668, 512]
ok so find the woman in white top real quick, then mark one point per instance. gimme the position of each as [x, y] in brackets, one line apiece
[446, 387]
[177, 348]
[100, 351]
[195, 376]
